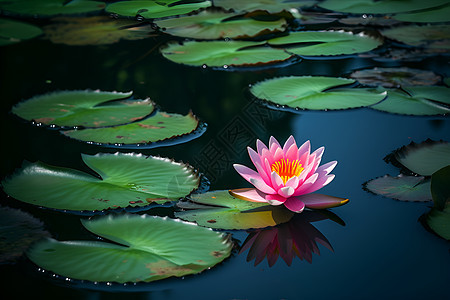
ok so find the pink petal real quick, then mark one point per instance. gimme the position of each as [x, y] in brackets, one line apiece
[276, 180]
[273, 143]
[307, 184]
[275, 199]
[320, 183]
[319, 201]
[305, 148]
[288, 144]
[254, 195]
[279, 154]
[325, 169]
[294, 204]
[246, 172]
[293, 182]
[286, 191]
[292, 153]
[262, 186]
[260, 146]
[256, 159]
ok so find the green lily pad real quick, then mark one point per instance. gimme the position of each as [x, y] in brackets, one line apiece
[48, 8]
[379, 6]
[271, 6]
[150, 9]
[325, 43]
[400, 102]
[223, 53]
[124, 180]
[18, 230]
[152, 131]
[218, 209]
[146, 248]
[218, 24]
[96, 30]
[313, 92]
[430, 36]
[440, 188]
[395, 77]
[439, 222]
[434, 93]
[12, 32]
[439, 14]
[405, 188]
[83, 108]
[424, 158]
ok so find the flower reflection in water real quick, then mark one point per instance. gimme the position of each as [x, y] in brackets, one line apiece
[298, 237]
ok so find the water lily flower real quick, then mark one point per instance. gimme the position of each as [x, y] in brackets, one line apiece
[287, 175]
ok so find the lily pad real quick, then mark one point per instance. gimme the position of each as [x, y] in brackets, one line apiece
[220, 210]
[395, 77]
[146, 248]
[218, 24]
[152, 131]
[223, 53]
[430, 36]
[424, 158]
[440, 188]
[400, 102]
[405, 188]
[271, 6]
[325, 43]
[438, 14]
[124, 180]
[12, 32]
[379, 6]
[83, 108]
[46, 8]
[314, 92]
[150, 9]
[435, 93]
[18, 230]
[439, 222]
[97, 30]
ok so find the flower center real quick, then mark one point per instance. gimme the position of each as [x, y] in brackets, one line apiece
[287, 169]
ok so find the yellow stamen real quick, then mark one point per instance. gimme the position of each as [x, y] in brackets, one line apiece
[287, 169]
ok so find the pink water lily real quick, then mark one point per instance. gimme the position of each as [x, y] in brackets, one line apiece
[287, 175]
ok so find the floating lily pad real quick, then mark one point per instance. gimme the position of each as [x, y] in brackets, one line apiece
[272, 6]
[12, 32]
[439, 222]
[218, 209]
[223, 53]
[369, 20]
[146, 248]
[379, 6]
[124, 180]
[48, 8]
[430, 36]
[424, 158]
[218, 24]
[435, 93]
[150, 9]
[18, 230]
[83, 108]
[439, 14]
[405, 188]
[314, 92]
[158, 128]
[325, 43]
[97, 30]
[395, 77]
[400, 102]
[438, 219]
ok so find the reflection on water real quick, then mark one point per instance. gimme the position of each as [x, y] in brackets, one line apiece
[296, 238]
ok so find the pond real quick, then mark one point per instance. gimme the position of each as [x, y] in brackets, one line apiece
[372, 247]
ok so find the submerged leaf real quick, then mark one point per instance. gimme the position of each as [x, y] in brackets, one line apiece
[222, 211]
[314, 92]
[14, 31]
[431, 36]
[405, 188]
[126, 180]
[146, 248]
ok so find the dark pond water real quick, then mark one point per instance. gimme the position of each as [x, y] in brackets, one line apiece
[382, 252]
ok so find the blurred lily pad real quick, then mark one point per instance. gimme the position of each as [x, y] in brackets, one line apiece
[218, 209]
[325, 43]
[155, 130]
[12, 31]
[400, 102]
[152, 9]
[223, 53]
[438, 14]
[46, 8]
[217, 24]
[97, 30]
[402, 187]
[379, 6]
[124, 180]
[85, 108]
[271, 6]
[144, 249]
[430, 36]
[314, 92]
[18, 230]
[395, 77]
[424, 158]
